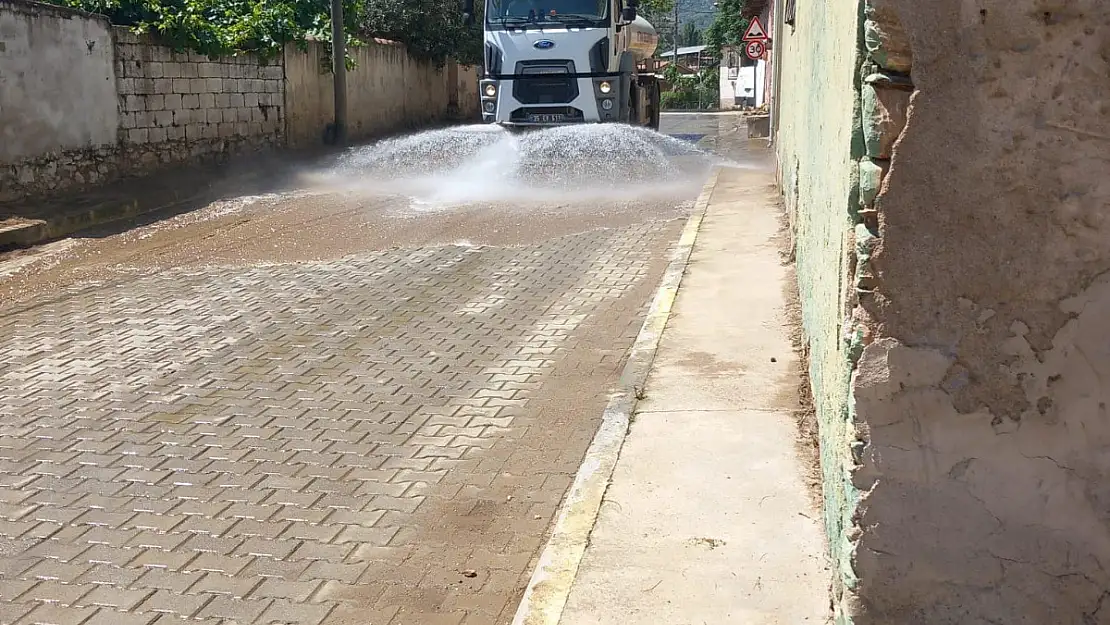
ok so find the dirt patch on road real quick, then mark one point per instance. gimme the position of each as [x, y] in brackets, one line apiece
[300, 227]
[495, 525]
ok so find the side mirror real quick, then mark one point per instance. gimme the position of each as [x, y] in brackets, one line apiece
[628, 13]
[468, 12]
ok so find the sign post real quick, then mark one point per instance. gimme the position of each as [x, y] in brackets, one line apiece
[755, 46]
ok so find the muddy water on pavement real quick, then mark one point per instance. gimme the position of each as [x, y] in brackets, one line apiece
[565, 167]
[468, 185]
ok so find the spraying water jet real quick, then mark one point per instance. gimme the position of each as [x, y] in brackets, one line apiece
[483, 163]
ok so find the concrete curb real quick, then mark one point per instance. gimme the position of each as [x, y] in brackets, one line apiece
[21, 233]
[65, 222]
[550, 585]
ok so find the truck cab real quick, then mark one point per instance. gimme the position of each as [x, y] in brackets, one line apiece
[555, 62]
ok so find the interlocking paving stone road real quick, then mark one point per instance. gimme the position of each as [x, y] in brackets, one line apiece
[378, 439]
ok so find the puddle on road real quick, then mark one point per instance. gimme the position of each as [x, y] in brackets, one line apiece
[578, 164]
[44, 256]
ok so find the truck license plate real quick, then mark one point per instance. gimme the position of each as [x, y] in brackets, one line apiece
[546, 118]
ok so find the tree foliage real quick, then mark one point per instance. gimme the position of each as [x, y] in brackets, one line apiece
[728, 26]
[690, 35]
[696, 91]
[222, 27]
[431, 29]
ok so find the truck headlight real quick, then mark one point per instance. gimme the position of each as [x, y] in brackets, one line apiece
[607, 104]
[489, 106]
[605, 86]
[490, 90]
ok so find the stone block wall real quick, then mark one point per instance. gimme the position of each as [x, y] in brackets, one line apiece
[960, 373]
[166, 107]
[167, 96]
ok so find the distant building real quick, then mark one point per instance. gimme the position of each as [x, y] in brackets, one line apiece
[743, 81]
[692, 58]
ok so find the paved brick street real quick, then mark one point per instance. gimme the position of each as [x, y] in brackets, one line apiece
[381, 437]
[319, 442]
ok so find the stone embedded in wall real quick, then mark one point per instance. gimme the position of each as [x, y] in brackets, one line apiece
[871, 175]
[56, 172]
[886, 40]
[884, 117]
[866, 241]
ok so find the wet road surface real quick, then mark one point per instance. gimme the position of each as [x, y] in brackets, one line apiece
[335, 405]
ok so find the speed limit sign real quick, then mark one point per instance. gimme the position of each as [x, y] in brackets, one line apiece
[755, 50]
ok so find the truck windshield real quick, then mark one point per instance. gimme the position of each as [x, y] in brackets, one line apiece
[542, 13]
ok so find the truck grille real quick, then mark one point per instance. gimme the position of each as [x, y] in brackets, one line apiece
[545, 84]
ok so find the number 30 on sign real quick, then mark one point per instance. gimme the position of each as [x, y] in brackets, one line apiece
[755, 50]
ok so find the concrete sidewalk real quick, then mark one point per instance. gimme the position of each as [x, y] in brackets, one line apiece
[708, 517]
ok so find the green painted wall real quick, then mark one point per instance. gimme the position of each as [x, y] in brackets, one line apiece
[818, 147]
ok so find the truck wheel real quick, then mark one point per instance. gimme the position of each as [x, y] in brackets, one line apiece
[653, 122]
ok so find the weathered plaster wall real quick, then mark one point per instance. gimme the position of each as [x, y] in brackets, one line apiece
[86, 103]
[983, 393]
[466, 79]
[57, 85]
[817, 146]
[767, 18]
[966, 462]
[388, 90]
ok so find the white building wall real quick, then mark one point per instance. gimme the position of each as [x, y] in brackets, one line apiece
[742, 86]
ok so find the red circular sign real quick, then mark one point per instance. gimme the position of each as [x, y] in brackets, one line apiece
[755, 50]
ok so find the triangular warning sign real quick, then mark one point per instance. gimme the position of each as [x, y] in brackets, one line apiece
[755, 31]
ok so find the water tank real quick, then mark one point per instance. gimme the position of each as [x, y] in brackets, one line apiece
[642, 38]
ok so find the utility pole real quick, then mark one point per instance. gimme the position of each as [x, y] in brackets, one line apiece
[339, 71]
[675, 37]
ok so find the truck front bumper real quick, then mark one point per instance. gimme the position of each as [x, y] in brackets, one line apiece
[595, 101]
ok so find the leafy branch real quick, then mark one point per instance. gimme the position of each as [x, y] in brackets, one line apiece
[431, 29]
[727, 29]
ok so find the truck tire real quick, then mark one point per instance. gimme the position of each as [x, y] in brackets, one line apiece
[655, 106]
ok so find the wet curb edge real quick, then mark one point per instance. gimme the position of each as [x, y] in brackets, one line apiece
[551, 582]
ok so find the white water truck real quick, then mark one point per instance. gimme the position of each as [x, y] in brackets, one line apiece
[555, 62]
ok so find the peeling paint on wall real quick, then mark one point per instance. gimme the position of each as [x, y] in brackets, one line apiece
[966, 460]
[819, 143]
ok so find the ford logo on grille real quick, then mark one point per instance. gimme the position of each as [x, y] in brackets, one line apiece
[544, 44]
